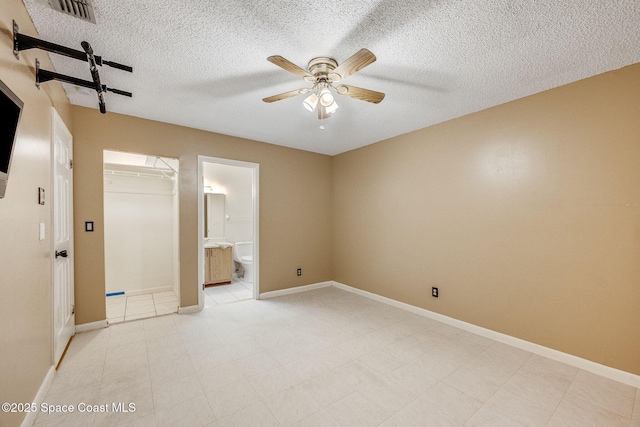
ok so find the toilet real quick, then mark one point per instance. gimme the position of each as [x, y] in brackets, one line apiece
[243, 254]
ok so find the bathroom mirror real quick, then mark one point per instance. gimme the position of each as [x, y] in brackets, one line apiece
[214, 215]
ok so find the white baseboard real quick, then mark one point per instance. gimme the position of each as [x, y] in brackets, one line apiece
[92, 325]
[30, 418]
[189, 309]
[295, 290]
[584, 364]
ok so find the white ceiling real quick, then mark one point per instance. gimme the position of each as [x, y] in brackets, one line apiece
[203, 64]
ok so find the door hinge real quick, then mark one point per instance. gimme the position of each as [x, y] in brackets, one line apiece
[73, 309]
[70, 163]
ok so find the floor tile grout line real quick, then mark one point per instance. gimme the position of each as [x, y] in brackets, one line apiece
[564, 395]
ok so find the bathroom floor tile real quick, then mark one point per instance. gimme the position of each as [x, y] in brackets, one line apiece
[225, 294]
[225, 298]
[242, 295]
[217, 290]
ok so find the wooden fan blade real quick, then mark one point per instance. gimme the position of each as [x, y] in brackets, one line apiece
[286, 95]
[360, 93]
[355, 63]
[291, 67]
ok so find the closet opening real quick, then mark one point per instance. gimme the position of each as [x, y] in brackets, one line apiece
[141, 235]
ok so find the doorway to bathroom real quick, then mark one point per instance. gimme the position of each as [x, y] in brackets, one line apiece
[228, 264]
[141, 235]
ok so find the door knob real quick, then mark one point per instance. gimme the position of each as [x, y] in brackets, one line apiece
[63, 254]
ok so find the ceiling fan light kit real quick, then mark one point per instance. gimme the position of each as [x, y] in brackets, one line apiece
[323, 72]
[322, 96]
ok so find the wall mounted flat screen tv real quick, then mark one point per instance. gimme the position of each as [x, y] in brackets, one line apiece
[10, 111]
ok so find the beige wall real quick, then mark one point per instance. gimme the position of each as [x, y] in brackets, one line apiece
[295, 203]
[25, 261]
[526, 216]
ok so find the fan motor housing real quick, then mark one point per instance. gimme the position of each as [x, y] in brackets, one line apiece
[321, 66]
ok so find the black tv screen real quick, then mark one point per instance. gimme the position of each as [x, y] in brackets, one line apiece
[10, 111]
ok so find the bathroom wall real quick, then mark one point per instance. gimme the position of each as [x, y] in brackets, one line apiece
[236, 183]
[25, 261]
[526, 216]
[139, 234]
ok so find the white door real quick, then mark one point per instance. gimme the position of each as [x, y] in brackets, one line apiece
[62, 237]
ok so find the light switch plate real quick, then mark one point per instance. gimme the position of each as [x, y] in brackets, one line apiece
[41, 234]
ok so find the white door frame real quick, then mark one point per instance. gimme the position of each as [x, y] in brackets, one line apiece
[255, 167]
[61, 334]
[176, 218]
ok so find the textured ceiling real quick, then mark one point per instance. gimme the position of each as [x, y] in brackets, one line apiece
[203, 64]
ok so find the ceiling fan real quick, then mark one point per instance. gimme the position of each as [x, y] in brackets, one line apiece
[323, 72]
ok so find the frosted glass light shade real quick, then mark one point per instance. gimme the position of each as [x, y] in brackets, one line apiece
[332, 107]
[326, 98]
[310, 102]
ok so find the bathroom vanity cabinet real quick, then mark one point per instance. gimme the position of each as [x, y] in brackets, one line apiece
[218, 265]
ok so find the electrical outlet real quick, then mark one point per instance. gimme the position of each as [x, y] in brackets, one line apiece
[434, 292]
[299, 272]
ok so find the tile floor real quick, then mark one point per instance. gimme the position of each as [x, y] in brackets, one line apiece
[121, 308]
[224, 294]
[322, 358]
